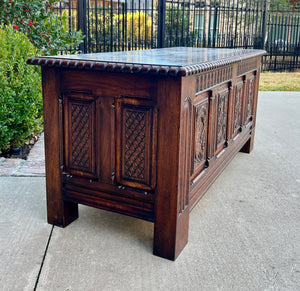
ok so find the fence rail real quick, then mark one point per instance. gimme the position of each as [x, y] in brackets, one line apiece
[283, 41]
[118, 25]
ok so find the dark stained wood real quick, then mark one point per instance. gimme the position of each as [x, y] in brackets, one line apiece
[176, 62]
[200, 132]
[79, 139]
[59, 212]
[173, 165]
[136, 86]
[136, 143]
[222, 113]
[248, 147]
[237, 107]
[145, 137]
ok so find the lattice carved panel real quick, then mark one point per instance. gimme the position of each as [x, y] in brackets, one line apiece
[79, 146]
[135, 145]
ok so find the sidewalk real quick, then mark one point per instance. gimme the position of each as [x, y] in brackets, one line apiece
[34, 166]
[244, 233]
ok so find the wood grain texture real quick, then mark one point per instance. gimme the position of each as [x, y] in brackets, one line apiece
[173, 168]
[166, 200]
[59, 212]
[248, 147]
[108, 84]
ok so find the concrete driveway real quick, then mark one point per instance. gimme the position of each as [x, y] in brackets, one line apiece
[244, 234]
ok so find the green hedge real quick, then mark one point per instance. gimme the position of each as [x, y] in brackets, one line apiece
[20, 89]
[48, 32]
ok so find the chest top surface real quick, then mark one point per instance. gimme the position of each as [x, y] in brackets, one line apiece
[176, 61]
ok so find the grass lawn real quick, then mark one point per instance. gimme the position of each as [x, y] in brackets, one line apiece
[270, 81]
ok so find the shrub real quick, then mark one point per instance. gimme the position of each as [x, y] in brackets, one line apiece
[48, 32]
[134, 27]
[20, 89]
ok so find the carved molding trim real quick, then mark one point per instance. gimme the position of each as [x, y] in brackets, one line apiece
[246, 66]
[211, 78]
[175, 71]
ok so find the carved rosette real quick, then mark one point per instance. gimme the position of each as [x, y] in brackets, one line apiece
[222, 110]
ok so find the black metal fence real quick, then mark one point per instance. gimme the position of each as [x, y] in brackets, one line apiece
[114, 25]
[282, 40]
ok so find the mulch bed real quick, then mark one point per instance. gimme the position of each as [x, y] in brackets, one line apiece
[22, 152]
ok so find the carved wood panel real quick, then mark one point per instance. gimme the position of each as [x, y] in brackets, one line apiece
[222, 114]
[237, 107]
[200, 129]
[136, 143]
[249, 98]
[184, 160]
[211, 139]
[79, 139]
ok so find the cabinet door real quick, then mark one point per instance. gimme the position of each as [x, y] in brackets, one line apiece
[136, 122]
[79, 135]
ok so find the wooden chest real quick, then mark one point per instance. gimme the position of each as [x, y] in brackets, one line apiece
[145, 133]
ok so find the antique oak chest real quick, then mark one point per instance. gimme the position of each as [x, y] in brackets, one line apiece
[145, 133]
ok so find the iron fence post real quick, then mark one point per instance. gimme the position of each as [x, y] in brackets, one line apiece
[215, 25]
[264, 23]
[161, 23]
[82, 23]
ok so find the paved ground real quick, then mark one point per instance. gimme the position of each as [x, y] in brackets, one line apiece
[34, 166]
[244, 234]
